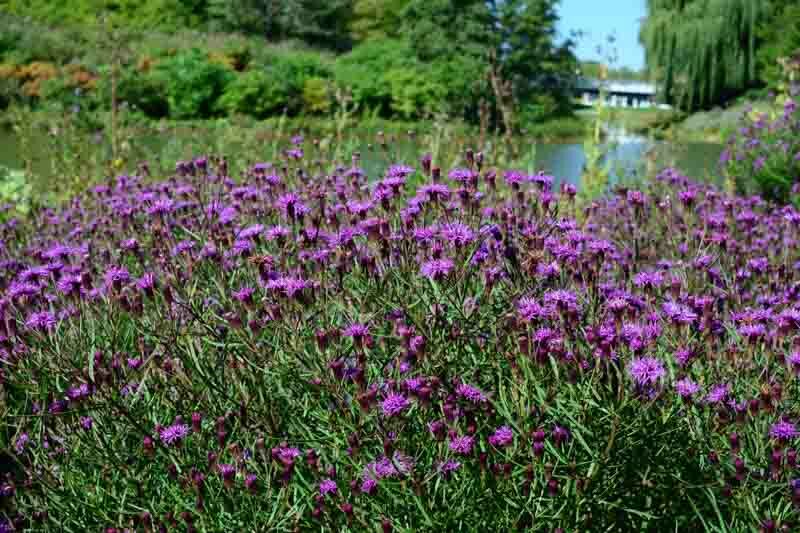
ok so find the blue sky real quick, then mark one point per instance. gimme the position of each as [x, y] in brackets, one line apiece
[599, 18]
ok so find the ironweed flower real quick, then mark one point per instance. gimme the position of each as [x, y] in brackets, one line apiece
[783, 431]
[686, 388]
[394, 404]
[502, 437]
[437, 269]
[173, 435]
[471, 394]
[328, 486]
[462, 445]
[646, 371]
[41, 321]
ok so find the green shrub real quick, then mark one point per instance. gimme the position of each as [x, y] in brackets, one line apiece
[316, 95]
[362, 71]
[464, 77]
[14, 191]
[538, 109]
[293, 70]
[9, 91]
[146, 92]
[414, 93]
[763, 156]
[255, 93]
[193, 84]
[23, 42]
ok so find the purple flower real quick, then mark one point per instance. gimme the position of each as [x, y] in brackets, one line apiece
[41, 321]
[502, 437]
[328, 486]
[394, 404]
[244, 295]
[69, 284]
[560, 434]
[457, 234]
[718, 393]
[291, 205]
[369, 486]
[117, 276]
[461, 174]
[78, 393]
[286, 455]
[147, 282]
[436, 427]
[783, 431]
[646, 370]
[462, 445]
[182, 247]
[86, 422]
[227, 471]
[562, 299]
[470, 393]
[21, 443]
[400, 171]
[174, 434]
[679, 313]
[794, 360]
[294, 153]
[686, 388]
[162, 206]
[514, 177]
[289, 287]
[648, 279]
[435, 191]
[227, 215]
[356, 331]
[436, 269]
[448, 467]
[250, 232]
[399, 465]
[251, 482]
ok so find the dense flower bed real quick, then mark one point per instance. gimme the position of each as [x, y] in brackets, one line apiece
[422, 350]
[763, 155]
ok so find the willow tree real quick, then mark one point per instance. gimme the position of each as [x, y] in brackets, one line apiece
[702, 51]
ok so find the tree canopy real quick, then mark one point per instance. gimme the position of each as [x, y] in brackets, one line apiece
[703, 51]
[780, 38]
[448, 46]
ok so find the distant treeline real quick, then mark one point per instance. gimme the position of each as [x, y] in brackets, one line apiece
[705, 52]
[202, 58]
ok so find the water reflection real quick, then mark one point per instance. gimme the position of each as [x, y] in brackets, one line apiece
[627, 157]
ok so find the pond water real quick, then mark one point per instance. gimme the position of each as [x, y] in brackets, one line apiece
[628, 157]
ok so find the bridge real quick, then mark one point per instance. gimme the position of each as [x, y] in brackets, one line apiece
[618, 93]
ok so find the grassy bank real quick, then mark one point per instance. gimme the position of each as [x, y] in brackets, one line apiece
[713, 126]
[64, 151]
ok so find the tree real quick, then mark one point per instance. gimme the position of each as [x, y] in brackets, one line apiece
[528, 53]
[703, 51]
[780, 36]
[376, 19]
[321, 23]
[460, 37]
[444, 29]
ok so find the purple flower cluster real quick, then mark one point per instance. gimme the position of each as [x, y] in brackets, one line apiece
[352, 346]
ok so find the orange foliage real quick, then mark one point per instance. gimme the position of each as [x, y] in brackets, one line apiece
[145, 63]
[34, 74]
[8, 71]
[81, 77]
